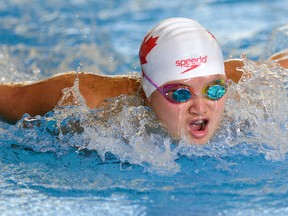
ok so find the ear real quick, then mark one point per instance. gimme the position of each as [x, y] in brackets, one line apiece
[232, 69]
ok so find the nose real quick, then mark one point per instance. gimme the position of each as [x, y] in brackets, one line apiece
[198, 106]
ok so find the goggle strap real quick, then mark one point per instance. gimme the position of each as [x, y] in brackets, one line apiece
[152, 82]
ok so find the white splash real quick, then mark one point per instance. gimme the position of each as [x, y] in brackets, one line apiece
[256, 115]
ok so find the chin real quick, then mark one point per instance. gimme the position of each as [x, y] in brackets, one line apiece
[202, 141]
[188, 138]
[199, 137]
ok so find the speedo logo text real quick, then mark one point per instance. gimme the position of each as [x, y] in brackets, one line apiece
[191, 63]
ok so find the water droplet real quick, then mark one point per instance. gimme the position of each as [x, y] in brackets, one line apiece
[79, 66]
[243, 56]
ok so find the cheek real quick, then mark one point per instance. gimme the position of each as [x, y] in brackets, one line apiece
[166, 112]
[218, 108]
[222, 104]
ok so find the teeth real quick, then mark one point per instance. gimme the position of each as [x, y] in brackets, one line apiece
[200, 124]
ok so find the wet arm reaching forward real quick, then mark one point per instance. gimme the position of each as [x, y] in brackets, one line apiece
[40, 97]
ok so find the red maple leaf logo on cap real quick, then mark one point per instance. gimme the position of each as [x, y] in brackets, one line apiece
[146, 47]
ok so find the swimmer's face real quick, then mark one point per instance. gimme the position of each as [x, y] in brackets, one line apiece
[196, 119]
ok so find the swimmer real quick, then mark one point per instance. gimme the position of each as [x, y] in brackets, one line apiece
[184, 81]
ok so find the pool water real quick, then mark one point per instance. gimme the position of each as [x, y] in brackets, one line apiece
[125, 164]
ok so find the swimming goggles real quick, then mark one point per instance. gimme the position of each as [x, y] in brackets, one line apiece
[180, 93]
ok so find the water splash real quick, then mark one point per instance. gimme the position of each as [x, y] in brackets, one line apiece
[255, 122]
[256, 112]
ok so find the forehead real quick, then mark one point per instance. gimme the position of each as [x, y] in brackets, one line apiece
[197, 81]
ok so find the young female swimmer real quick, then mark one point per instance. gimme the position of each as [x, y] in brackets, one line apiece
[183, 78]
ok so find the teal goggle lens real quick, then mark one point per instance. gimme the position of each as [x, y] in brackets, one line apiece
[181, 95]
[215, 92]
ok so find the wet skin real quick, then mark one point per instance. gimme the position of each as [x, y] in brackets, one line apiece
[195, 120]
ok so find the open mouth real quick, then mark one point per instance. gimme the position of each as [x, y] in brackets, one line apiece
[199, 125]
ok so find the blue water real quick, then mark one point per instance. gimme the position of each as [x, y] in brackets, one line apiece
[125, 165]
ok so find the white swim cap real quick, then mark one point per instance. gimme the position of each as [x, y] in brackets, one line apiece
[178, 48]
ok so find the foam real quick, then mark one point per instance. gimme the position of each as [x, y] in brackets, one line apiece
[255, 123]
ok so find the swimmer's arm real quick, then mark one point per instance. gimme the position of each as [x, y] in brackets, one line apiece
[233, 69]
[233, 66]
[41, 97]
[281, 58]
